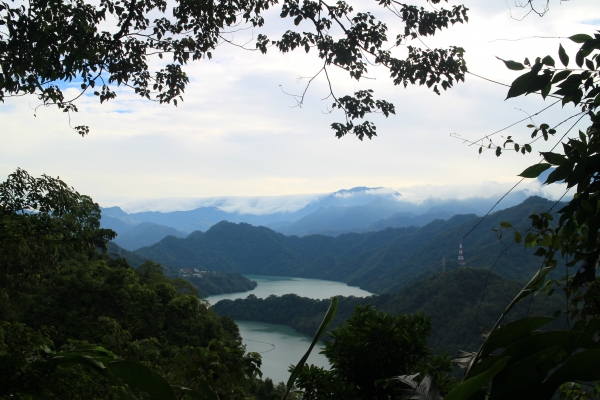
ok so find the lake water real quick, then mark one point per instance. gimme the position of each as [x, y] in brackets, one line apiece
[280, 345]
[280, 285]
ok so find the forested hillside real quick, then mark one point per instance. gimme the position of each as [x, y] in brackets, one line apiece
[76, 323]
[382, 261]
[460, 303]
[218, 283]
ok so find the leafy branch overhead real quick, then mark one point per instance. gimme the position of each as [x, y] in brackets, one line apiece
[47, 43]
[579, 86]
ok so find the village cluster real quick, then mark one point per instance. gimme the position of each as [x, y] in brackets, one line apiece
[186, 272]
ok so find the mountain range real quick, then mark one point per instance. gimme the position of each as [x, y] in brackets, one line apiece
[379, 261]
[359, 209]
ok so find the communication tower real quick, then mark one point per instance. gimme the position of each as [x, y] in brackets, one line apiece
[461, 258]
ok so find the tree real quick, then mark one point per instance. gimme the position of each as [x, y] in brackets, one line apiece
[368, 351]
[44, 43]
[41, 221]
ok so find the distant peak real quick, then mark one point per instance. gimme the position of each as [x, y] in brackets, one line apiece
[536, 199]
[363, 190]
[113, 211]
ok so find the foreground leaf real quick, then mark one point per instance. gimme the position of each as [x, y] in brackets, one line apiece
[515, 66]
[513, 331]
[472, 385]
[324, 325]
[535, 170]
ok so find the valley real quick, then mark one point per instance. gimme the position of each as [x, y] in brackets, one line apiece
[278, 343]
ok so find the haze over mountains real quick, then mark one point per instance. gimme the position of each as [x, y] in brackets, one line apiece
[359, 209]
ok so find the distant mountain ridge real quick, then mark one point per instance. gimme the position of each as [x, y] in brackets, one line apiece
[145, 234]
[380, 261]
[359, 209]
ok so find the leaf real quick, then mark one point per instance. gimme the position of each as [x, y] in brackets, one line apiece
[424, 390]
[562, 54]
[537, 342]
[554, 158]
[561, 76]
[506, 224]
[515, 66]
[548, 61]
[142, 378]
[484, 365]
[70, 360]
[521, 380]
[589, 64]
[583, 366]
[517, 237]
[324, 325]
[579, 58]
[560, 173]
[535, 170]
[521, 85]
[513, 331]
[472, 385]
[580, 38]
[534, 284]
[546, 90]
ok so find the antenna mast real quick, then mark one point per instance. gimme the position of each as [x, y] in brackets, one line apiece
[461, 258]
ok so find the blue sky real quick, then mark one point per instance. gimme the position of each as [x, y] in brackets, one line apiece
[238, 134]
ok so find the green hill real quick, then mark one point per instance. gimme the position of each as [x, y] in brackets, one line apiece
[218, 283]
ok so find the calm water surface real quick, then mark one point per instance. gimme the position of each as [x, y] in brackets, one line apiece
[279, 285]
[280, 345]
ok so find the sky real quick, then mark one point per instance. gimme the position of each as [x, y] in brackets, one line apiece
[237, 132]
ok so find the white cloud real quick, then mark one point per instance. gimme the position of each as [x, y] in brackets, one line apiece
[236, 204]
[491, 190]
[236, 133]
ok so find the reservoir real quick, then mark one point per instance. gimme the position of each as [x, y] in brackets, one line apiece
[280, 345]
[303, 287]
